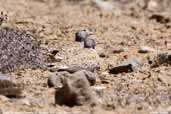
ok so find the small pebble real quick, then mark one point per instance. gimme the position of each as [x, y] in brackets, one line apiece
[76, 91]
[55, 79]
[9, 88]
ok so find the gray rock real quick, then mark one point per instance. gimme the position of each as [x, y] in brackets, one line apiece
[89, 43]
[152, 5]
[130, 66]
[91, 77]
[75, 91]
[81, 35]
[56, 79]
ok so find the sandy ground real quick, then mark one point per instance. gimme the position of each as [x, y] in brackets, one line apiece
[56, 21]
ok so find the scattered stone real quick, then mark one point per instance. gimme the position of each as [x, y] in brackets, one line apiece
[89, 43]
[145, 49]
[9, 88]
[20, 50]
[75, 91]
[81, 35]
[161, 58]
[152, 5]
[103, 5]
[130, 66]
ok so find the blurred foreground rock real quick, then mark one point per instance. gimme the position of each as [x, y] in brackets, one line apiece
[9, 88]
[76, 91]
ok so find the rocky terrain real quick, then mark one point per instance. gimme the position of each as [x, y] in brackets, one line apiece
[85, 56]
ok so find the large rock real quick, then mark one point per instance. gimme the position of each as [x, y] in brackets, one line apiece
[75, 91]
[56, 80]
[9, 88]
